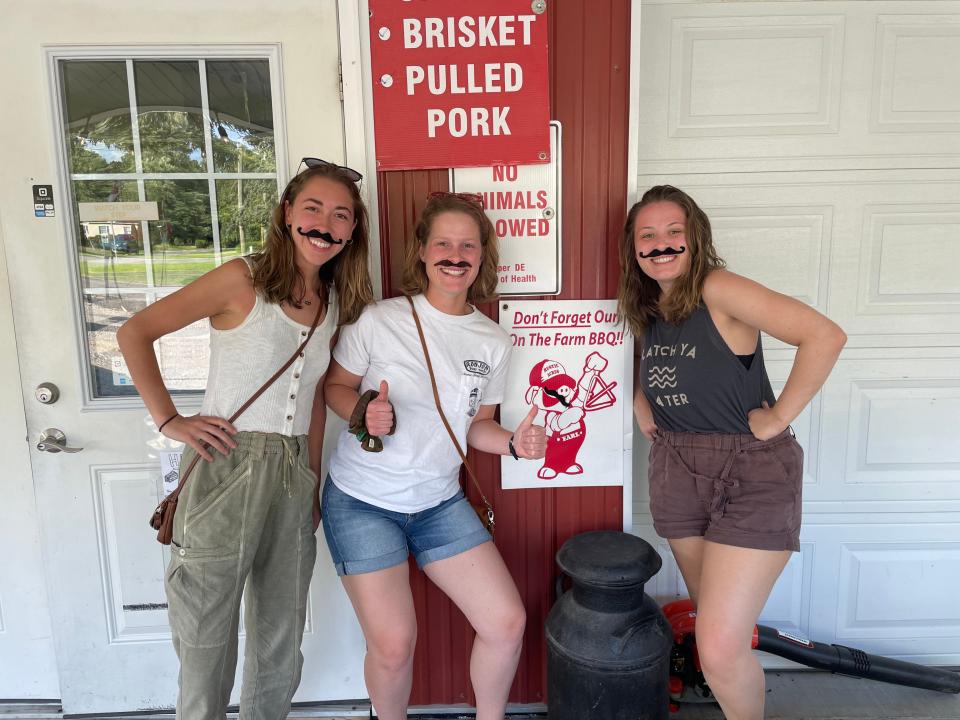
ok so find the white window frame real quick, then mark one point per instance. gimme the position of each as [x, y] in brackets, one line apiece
[353, 20]
[54, 54]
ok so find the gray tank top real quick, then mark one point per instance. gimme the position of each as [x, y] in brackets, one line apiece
[693, 380]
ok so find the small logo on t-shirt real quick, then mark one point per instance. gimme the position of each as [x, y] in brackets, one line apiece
[474, 402]
[477, 367]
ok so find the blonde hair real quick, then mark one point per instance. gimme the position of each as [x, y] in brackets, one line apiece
[415, 280]
[638, 295]
[275, 272]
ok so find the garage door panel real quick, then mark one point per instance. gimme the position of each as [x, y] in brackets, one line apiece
[874, 249]
[924, 604]
[806, 426]
[757, 84]
[787, 246]
[890, 430]
[908, 90]
[887, 587]
[909, 258]
[727, 75]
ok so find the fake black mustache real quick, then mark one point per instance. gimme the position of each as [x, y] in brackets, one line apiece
[557, 396]
[447, 263]
[665, 251]
[326, 237]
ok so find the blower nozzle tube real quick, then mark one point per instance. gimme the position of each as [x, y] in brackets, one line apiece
[850, 661]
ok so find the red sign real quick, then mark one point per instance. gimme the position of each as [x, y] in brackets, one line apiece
[459, 84]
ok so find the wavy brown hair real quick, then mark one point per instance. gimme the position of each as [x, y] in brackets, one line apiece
[415, 280]
[275, 272]
[638, 296]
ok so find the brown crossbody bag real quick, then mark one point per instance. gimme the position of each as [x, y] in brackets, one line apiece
[162, 518]
[484, 511]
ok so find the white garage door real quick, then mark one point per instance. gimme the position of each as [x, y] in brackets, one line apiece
[823, 139]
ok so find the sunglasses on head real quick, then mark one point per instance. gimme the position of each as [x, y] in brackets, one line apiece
[347, 172]
[475, 198]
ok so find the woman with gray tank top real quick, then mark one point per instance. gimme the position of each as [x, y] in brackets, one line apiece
[247, 516]
[725, 469]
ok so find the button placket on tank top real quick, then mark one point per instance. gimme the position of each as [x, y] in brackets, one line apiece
[293, 389]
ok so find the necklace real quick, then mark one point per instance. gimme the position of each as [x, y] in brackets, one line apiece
[304, 301]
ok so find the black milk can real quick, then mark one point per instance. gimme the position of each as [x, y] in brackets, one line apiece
[608, 644]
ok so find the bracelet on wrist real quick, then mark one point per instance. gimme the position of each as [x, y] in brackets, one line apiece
[163, 424]
[512, 449]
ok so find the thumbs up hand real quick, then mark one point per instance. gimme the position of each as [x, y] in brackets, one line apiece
[379, 414]
[529, 440]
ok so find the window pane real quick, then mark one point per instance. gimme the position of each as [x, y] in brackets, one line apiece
[181, 240]
[110, 252]
[170, 116]
[98, 117]
[183, 355]
[104, 315]
[124, 266]
[243, 209]
[241, 116]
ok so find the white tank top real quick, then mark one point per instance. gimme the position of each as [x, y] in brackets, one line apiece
[245, 357]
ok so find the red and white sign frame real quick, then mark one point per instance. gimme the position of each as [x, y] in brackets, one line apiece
[459, 84]
[578, 350]
[524, 204]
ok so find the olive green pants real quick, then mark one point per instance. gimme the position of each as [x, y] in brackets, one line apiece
[244, 521]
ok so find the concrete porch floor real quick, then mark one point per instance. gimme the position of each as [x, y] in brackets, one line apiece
[791, 695]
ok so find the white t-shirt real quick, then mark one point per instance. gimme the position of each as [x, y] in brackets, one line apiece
[418, 468]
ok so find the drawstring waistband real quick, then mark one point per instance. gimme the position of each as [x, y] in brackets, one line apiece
[722, 484]
[736, 444]
[290, 446]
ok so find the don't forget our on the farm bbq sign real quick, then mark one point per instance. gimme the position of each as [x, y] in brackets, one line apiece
[459, 84]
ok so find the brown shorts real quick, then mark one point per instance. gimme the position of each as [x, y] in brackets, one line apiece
[729, 489]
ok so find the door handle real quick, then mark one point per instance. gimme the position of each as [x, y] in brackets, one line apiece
[53, 440]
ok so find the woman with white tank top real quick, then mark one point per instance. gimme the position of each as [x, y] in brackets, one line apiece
[247, 516]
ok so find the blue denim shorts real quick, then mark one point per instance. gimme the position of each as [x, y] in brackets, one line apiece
[363, 538]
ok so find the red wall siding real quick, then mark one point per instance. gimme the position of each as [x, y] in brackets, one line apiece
[589, 70]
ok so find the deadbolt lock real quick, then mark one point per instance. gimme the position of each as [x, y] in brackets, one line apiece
[47, 393]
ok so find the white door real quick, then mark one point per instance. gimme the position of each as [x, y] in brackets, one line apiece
[203, 132]
[823, 140]
[28, 667]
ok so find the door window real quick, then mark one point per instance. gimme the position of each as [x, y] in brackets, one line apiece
[187, 151]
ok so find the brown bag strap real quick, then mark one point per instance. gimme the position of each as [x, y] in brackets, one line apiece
[253, 398]
[436, 399]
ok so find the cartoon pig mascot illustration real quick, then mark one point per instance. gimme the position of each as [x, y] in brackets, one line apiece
[566, 403]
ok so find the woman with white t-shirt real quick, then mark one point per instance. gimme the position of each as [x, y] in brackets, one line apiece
[378, 507]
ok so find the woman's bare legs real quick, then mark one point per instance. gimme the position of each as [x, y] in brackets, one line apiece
[480, 585]
[729, 586]
[384, 605]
